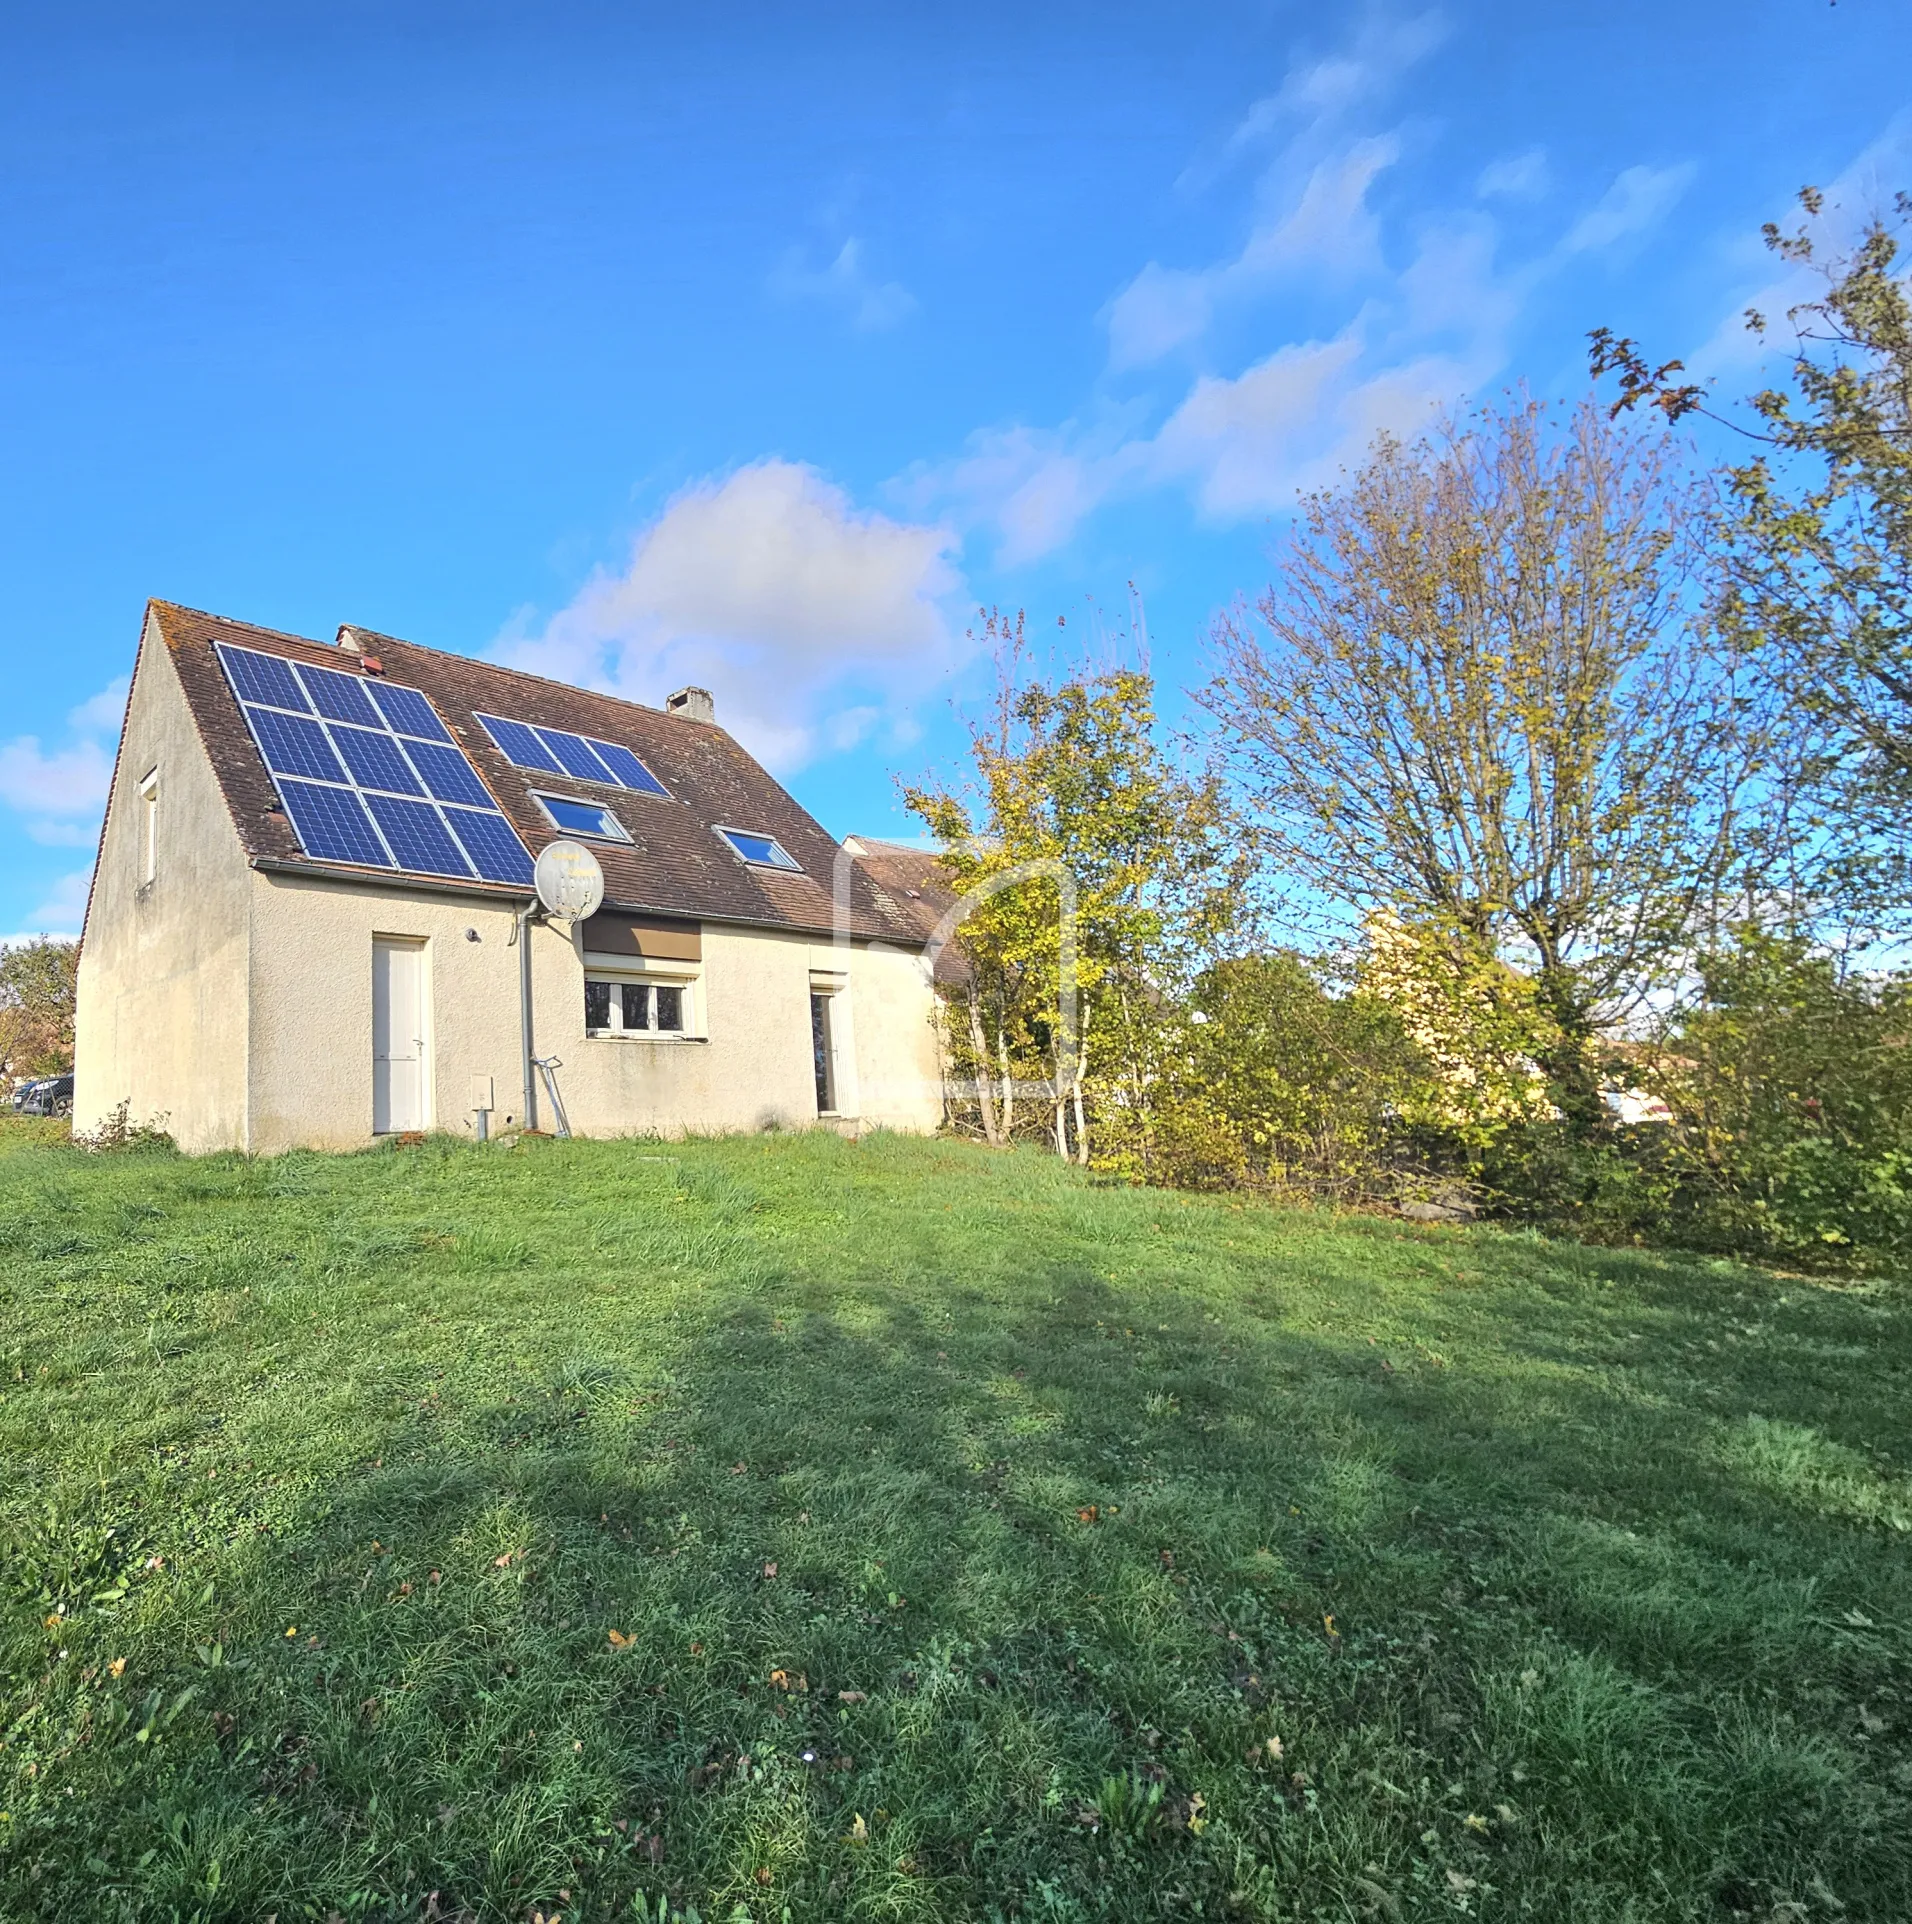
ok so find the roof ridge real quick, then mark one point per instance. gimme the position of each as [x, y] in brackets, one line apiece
[231, 621]
[528, 674]
[425, 648]
[886, 841]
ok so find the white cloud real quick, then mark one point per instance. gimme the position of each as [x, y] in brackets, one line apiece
[61, 792]
[1324, 226]
[844, 284]
[1247, 446]
[63, 834]
[1157, 312]
[1242, 441]
[1239, 441]
[1516, 177]
[1034, 485]
[60, 914]
[68, 781]
[804, 614]
[100, 714]
[1455, 289]
[1324, 89]
[1639, 199]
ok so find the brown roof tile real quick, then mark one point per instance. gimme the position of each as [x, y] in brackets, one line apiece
[676, 863]
[917, 890]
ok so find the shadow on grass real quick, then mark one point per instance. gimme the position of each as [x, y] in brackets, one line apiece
[1041, 1595]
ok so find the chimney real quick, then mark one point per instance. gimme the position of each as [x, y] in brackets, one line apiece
[694, 704]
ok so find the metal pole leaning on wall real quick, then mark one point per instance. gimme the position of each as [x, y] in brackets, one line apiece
[548, 1067]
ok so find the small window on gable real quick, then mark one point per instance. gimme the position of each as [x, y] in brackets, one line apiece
[581, 818]
[760, 851]
[149, 826]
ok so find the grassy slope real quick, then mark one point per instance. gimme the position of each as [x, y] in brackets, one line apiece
[1615, 1551]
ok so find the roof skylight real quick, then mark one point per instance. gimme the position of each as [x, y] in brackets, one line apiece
[581, 818]
[760, 851]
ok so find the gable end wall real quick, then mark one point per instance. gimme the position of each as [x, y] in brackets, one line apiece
[163, 1004]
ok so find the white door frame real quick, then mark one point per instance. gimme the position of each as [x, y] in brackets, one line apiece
[394, 1122]
[835, 991]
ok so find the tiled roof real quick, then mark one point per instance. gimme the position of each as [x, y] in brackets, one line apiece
[918, 890]
[676, 864]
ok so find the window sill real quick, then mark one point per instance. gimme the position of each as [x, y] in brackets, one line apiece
[640, 1035]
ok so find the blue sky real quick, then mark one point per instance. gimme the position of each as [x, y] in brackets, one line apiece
[759, 346]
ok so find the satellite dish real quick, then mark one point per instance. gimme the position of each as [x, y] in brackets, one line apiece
[570, 884]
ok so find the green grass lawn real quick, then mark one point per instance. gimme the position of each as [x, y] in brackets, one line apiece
[790, 1528]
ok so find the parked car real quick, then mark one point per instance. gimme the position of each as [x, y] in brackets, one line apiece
[48, 1096]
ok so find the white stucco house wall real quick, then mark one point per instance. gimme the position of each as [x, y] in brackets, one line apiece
[308, 919]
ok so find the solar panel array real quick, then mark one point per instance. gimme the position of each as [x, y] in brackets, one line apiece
[556, 751]
[369, 774]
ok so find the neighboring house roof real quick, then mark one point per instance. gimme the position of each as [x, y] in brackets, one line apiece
[918, 890]
[675, 863]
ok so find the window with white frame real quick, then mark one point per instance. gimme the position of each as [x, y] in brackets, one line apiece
[656, 1004]
[574, 817]
[149, 826]
[760, 851]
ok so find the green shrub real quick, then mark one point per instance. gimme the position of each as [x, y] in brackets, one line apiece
[1269, 1078]
[1790, 1088]
[1793, 1091]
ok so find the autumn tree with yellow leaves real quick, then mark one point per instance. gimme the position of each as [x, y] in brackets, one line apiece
[1483, 697]
[36, 1006]
[1094, 869]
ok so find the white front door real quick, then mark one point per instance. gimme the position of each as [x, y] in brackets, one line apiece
[399, 1088]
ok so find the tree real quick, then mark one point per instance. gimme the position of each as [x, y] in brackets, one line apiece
[1480, 696]
[37, 982]
[1820, 578]
[1074, 806]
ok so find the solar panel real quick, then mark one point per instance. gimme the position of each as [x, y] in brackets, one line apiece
[576, 756]
[265, 678]
[630, 772]
[352, 791]
[340, 697]
[495, 851]
[406, 711]
[448, 775]
[416, 836]
[332, 824]
[292, 745]
[376, 761]
[521, 746]
[556, 751]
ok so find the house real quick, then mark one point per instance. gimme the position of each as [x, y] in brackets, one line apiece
[312, 920]
[923, 893]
